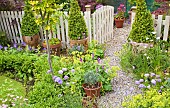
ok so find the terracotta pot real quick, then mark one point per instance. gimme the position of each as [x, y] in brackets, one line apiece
[52, 46]
[83, 42]
[92, 92]
[119, 22]
[55, 49]
[31, 40]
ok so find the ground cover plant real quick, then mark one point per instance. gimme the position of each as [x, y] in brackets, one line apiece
[48, 91]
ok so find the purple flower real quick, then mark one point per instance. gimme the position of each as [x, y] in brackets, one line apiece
[5, 48]
[102, 67]
[153, 82]
[49, 71]
[60, 72]
[19, 49]
[44, 49]
[97, 70]
[129, 22]
[23, 44]
[142, 86]
[99, 6]
[158, 80]
[30, 48]
[92, 55]
[98, 60]
[81, 60]
[160, 91]
[15, 45]
[137, 82]
[146, 75]
[153, 74]
[64, 69]
[1, 47]
[66, 77]
[54, 77]
[141, 80]
[161, 87]
[72, 70]
[60, 81]
[78, 48]
[157, 76]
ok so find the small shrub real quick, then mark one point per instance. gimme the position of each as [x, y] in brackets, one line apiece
[76, 24]
[142, 27]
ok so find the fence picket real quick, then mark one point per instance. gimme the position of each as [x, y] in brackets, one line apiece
[166, 29]
[159, 26]
[99, 25]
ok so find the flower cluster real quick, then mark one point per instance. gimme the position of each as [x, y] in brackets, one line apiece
[12, 101]
[150, 79]
[120, 11]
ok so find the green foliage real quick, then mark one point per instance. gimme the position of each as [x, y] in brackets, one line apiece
[76, 23]
[75, 48]
[151, 99]
[155, 59]
[11, 92]
[167, 83]
[96, 49]
[3, 39]
[91, 78]
[17, 64]
[28, 25]
[142, 27]
[53, 41]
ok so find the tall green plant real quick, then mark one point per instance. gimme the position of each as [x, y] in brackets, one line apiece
[142, 27]
[28, 25]
[76, 23]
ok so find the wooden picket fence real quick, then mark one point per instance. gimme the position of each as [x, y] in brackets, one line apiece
[161, 26]
[99, 25]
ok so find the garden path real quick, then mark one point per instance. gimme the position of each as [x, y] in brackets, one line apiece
[123, 83]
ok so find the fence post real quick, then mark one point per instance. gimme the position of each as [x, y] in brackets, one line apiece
[88, 21]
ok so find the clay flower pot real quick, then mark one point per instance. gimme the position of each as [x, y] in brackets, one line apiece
[83, 42]
[31, 40]
[119, 22]
[92, 92]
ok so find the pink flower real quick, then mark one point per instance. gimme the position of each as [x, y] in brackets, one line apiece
[119, 9]
[122, 6]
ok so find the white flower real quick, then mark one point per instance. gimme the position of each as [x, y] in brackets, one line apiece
[148, 86]
[145, 54]
[64, 69]
[153, 33]
[141, 80]
[60, 72]
[146, 75]
[147, 38]
[158, 38]
[153, 82]
[147, 57]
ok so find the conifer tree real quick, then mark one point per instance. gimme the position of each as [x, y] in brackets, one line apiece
[76, 23]
[142, 27]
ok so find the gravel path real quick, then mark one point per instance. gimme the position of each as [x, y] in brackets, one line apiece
[123, 83]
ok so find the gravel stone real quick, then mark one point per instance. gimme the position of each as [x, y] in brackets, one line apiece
[123, 83]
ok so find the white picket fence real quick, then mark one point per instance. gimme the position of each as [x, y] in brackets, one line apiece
[99, 25]
[159, 24]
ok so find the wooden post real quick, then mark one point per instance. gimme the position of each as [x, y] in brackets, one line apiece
[88, 21]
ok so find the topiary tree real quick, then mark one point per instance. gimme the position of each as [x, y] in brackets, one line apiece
[76, 23]
[28, 26]
[142, 27]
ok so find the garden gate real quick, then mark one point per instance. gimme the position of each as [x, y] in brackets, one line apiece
[99, 25]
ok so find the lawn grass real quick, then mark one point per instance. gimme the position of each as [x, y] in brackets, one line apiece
[10, 88]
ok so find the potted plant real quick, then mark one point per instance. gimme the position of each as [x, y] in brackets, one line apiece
[77, 29]
[29, 28]
[142, 33]
[119, 17]
[54, 43]
[91, 84]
